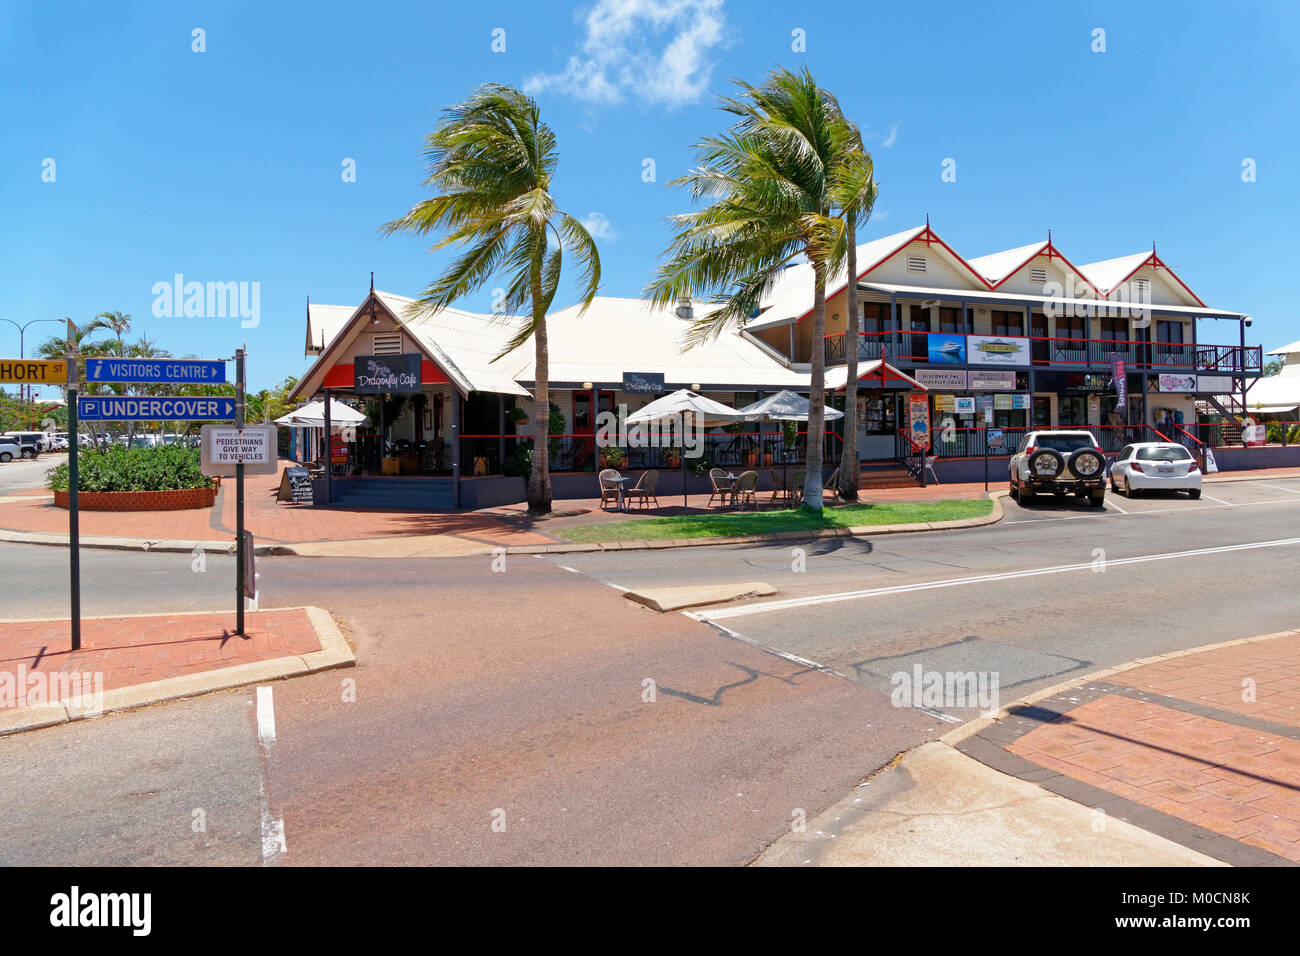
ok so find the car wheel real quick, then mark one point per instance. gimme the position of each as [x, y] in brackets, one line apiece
[1097, 499]
[6, 456]
[1046, 463]
[1015, 491]
[1087, 463]
[1193, 493]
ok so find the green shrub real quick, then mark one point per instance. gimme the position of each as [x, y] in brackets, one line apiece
[165, 468]
[519, 462]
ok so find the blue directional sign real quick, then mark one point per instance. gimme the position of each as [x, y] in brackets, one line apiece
[170, 370]
[153, 408]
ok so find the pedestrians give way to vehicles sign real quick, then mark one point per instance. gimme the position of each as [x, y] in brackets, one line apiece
[224, 446]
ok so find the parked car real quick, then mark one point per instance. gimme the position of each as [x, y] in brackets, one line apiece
[1155, 466]
[9, 449]
[30, 443]
[1059, 463]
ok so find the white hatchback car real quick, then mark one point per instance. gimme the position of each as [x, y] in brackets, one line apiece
[1155, 466]
[9, 449]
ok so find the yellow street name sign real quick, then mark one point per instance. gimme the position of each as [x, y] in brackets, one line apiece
[33, 372]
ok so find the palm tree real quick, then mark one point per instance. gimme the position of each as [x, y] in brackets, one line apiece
[118, 322]
[770, 178]
[491, 160]
[854, 189]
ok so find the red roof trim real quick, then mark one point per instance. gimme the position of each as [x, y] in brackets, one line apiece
[926, 235]
[1155, 262]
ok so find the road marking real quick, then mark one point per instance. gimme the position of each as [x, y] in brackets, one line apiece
[265, 716]
[1111, 504]
[617, 587]
[1016, 522]
[835, 598]
[1219, 500]
[1294, 491]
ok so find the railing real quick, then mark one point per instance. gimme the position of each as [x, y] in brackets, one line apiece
[1063, 351]
[570, 453]
[970, 442]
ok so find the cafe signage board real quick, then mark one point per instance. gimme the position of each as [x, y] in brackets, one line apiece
[386, 374]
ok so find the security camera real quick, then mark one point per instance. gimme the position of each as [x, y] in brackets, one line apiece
[1249, 321]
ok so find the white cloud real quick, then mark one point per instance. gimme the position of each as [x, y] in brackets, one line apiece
[598, 224]
[892, 137]
[652, 51]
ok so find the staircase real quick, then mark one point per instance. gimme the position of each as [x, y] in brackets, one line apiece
[398, 494]
[884, 475]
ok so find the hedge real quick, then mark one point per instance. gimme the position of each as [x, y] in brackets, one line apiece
[165, 468]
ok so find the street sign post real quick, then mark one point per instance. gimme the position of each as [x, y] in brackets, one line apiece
[222, 447]
[155, 408]
[173, 371]
[34, 372]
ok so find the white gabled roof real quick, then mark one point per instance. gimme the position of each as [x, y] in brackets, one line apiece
[462, 343]
[1287, 349]
[998, 265]
[792, 293]
[616, 335]
[324, 322]
[1108, 273]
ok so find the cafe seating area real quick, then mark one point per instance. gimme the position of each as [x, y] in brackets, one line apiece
[729, 491]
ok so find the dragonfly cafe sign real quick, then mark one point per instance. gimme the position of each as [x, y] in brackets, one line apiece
[387, 374]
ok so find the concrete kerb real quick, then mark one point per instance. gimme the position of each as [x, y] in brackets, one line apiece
[334, 652]
[957, 735]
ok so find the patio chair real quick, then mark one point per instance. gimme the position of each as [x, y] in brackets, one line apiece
[644, 489]
[795, 489]
[721, 488]
[832, 484]
[608, 490]
[746, 488]
[779, 491]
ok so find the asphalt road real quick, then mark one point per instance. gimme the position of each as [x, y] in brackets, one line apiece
[518, 698]
[20, 474]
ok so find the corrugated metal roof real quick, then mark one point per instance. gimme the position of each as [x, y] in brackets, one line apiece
[324, 322]
[996, 266]
[1287, 349]
[1108, 273]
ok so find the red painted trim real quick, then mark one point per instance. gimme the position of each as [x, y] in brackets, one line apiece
[926, 235]
[1051, 252]
[344, 375]
[1154, 261]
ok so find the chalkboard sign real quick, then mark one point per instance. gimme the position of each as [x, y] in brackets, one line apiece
[295, 486]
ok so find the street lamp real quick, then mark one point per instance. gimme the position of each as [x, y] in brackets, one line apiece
[22, 354]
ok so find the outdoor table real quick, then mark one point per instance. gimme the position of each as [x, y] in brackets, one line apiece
[733, 481]
[620, 482]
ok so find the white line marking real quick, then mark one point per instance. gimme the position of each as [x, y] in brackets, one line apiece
[565, 567]
[265, 716]
[1111, 504]
[1294, 491]
[617, 587]
[272, 838]
[1219, 500]
[1016, 522]
[791, 603]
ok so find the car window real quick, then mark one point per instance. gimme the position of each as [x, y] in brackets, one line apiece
[1124, 453]
[1064, 443]
[1164, 453]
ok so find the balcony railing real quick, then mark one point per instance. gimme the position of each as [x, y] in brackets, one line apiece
[1067, 352]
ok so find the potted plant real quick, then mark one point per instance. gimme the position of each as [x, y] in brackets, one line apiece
[611, 457]
[518, 416]
[673, 457]
[767, 458]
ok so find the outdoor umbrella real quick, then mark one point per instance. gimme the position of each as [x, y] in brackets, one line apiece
[312, 415]
[784, 406]
[674, 407]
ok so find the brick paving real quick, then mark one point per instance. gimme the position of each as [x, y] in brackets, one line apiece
[1181, 737]
[138, 650]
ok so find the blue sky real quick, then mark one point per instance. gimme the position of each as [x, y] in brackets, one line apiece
[225, 165]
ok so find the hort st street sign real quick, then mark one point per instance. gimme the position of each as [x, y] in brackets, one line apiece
[33, 372]
[152, 408]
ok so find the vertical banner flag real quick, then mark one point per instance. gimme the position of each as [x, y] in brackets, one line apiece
[1120, 380]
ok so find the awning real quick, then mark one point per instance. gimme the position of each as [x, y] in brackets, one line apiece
[312, 415]
[869, 374]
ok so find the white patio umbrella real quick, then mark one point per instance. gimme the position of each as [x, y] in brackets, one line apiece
[785, 406]
[312, 415]
[679, 403]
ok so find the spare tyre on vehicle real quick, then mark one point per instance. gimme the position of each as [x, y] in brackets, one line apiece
[1045, 463]
[1087, 463]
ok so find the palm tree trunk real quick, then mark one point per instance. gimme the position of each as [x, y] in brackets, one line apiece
[849, 459]
[812, 485]
[539, 482]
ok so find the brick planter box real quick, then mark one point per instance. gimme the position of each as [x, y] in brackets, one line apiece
[175, 500]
